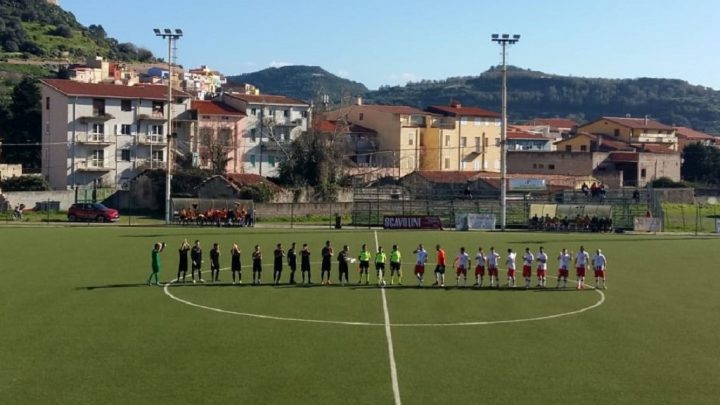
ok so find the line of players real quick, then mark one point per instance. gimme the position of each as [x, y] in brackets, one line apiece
[485, 264]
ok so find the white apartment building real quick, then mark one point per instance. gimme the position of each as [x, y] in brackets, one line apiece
[104, 134]
[272, 123]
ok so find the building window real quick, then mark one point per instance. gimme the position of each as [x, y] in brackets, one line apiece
[125, 155]
[158, 156]
[497, 164]
[126, 129]
[47, 103]
[305, 114]
[126, 105]
[583, 148]
[568, 148]
[98, 129]
[270, 113]
[253, 111]
[643, 173]
[447, 140]
[541, 166]
[98, 106]
[478, 144]
[463, 121]
[551, 167]
[252, 160]
[156, 129]
[271, 160]
[479, 121]
[485, 142]
[463, 141]
[253, 134]
[157, 108]
[286, 113]
[411, 140]
[362, 116]
[497, 142]
[97, 158]
[447, 163]
[617, 132]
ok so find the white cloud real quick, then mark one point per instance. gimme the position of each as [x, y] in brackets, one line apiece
[343, 73]
[277, 64]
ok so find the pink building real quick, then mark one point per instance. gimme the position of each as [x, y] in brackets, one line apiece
[218, 126]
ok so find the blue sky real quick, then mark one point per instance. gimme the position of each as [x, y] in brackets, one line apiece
[387, 42]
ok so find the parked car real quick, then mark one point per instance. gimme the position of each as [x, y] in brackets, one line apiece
[92, 212]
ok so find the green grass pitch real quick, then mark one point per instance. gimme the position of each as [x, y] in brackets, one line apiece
[78, 325]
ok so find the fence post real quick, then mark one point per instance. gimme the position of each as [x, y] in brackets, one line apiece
[47, 209]
[292, 214]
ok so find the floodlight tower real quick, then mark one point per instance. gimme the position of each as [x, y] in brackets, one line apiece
[504, 41]
[172, 37]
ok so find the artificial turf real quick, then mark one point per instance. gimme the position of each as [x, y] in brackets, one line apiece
[78, 325]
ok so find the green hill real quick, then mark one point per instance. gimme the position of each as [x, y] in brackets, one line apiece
[38, 29]
[307, 83]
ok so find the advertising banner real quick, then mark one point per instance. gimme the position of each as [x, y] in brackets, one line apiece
[411, 222]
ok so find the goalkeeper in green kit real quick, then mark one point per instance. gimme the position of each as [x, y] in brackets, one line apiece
[155, 262]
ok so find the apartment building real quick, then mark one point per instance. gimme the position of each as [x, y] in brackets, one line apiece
[633, 131]
[272, 123]
[220, 127]
[104, 134]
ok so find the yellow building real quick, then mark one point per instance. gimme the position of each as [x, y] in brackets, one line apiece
[633, 131]
[469, 138]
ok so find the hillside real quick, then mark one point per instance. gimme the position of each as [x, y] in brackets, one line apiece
[304, 82]
[38, 29]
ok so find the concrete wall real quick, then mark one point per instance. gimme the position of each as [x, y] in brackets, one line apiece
[269, 210]
[33, 198]
[564, 163]
[658, 165]
[675, 195]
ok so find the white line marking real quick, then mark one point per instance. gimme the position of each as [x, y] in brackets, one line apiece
[388, 335]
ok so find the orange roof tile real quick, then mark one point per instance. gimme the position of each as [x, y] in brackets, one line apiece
[553, 122]
[635, 123]
[395, 109]
[145, 92]
[330, 127]
[463, 111]
[206, 107]
[266, 99]
[691, 134]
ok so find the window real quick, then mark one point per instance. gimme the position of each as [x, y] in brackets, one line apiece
[541, 166]
[156, 129]
[98, 129]
[479, 121]
[583, 148]
[497, 164]
[252, 160]
[253, 111]
[485, 143]
[463, 121]
[97, 158]
[447, 163]
[126, 129]
[463, 141]
[253, 135]
[157, 108]
[476, 165]
[617, 132]
[478, 143]
[126, 105]
[47, 103]
[447, 140]
[125, 155]
[551, 167]
[270, 113]
[271, 160]
[497, 142]
[534, 165]
[305, 114]
[98, 106]
[643, 173]
[568, 148]
[286, 113]
[422, 139]
[158, 156]
[362, 116]
[411, 140]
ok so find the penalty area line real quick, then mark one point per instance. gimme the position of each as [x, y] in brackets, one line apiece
[388, 336]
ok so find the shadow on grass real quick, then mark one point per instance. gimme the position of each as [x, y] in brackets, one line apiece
[99, 287]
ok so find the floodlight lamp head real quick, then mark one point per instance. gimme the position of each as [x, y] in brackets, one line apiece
[178, 31]
[157, 31]
[168, 31]
[505, 36]
[494, 37]
[516, 37]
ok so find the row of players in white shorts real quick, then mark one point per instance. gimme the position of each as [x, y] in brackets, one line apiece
[489, 263]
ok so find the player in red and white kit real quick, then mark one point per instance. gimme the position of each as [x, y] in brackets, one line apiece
[542, 259]
[528, 259]
[599, 264]
[582, 259]
[492, 262]
[563, 268]
[421, 256]
[510, 262]
[480, 261]
[462, 262]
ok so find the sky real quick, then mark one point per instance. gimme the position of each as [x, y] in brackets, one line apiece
[390, 42]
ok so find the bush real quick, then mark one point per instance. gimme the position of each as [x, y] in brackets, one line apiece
[665, 182]
[24, 183]
[62, 31]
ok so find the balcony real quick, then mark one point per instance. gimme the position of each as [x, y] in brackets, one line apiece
[656, 139]
[151, 140]
[154, 116]
[95, 165]
[444, 123]
[103, 117]
[95, 139]
[150, 164]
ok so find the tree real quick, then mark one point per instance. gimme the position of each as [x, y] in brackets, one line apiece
[214, 148]
[25, 125]
[701, 163]
[62, 31]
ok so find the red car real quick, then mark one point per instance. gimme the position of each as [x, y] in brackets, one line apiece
[92, 212]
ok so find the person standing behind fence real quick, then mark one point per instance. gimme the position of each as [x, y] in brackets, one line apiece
[196, 257]
[305, 263]
[257, 265]
[183, 260]
[235, 265]
[155, 262]
[215, 263]
[327, 255]
[292, 262]
[279, 255]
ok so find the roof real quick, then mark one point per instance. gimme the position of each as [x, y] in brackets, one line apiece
[525, 135]
[266, 99]
[634, 123]
[436, 176]
[205, 107]
[455, 111]
[329, 126]
[653, 148]
[604, 142]
[624, 157]
[553, 122]
[691, 134]
[249, 179]
[145, 92]
[395, 109]
[493, 178]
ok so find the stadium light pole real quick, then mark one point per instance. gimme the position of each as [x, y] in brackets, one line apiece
[504, 40]
[172, 37]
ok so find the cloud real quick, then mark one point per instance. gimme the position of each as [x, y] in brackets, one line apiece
[343, 73]
[277, 64]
